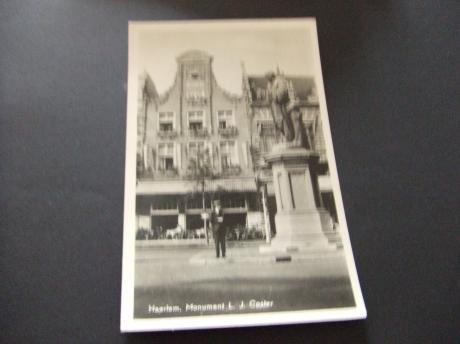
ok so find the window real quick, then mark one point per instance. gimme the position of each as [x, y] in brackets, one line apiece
[201, 152]
[267, 134]
[225, 118]
[166, 203]
[234, 201]
[261, 93]
[166, 156]
[228, 154]
[194, 148]
[263, 114]
[195, 126]
[197, 203]
[266, 128]
[195, 120]
[309, 114]
[166, 127]
[166, 121]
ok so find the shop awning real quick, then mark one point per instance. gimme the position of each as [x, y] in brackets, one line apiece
[233, 185]
[172, 187]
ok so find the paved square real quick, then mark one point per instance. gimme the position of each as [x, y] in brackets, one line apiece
[185, 276]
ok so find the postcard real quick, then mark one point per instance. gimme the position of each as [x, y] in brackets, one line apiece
[233, 210]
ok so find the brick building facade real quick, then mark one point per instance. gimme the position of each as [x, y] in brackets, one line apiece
[195, 119]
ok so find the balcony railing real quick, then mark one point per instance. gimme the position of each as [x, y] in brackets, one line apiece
[144, 174]
[203, 132]
[228, 132]
[233, 170]
[167, 173]
[167, 134]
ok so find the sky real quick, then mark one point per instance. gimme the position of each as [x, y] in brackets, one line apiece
[261, 46]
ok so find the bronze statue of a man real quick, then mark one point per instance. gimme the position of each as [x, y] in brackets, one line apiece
[285, 111]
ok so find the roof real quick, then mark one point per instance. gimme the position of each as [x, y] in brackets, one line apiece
[303, 86]
[148, 85]
[172, 187]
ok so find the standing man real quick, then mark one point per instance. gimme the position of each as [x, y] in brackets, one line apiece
[218, 230]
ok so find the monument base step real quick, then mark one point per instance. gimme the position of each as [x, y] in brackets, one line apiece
[281, 248]
[334, 237]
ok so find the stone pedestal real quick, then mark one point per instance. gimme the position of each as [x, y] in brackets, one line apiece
[300, 220]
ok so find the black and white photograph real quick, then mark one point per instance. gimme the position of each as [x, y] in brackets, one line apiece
[229, 172]
[233, 211]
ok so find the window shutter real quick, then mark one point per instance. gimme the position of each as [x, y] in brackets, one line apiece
[146, 156]
[215, 153]
[158, 121]
[178, 156]
[204, 120]
[211, 155]
[158, 157]
[219, 156]
[236, 153]
[244, 149]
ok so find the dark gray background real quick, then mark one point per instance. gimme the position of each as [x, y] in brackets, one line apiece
[391, 73]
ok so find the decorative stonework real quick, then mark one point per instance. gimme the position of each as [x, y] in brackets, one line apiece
[228, 132]
[284, 151]
[198, 101]
[167, 134]
[202, 133]
[300, 220]
[170, 173]
[231, 170]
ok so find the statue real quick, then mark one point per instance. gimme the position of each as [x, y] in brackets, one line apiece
[285, 111]
[300, 220]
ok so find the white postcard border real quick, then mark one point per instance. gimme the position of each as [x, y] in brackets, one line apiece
[127, 321]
